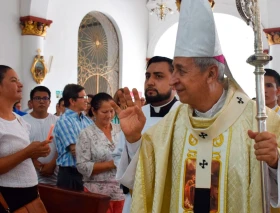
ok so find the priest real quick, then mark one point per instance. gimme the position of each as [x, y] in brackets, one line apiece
[204, 156]
[160, 99]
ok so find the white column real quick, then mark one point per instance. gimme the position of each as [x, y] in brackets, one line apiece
[32, 40]
[275, 53]
[273, 35]
[30, 45]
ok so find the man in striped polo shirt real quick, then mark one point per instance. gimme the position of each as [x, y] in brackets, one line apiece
[66, 132]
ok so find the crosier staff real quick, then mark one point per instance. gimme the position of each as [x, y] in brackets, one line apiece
[249, 11]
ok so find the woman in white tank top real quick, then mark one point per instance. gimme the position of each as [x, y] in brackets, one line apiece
[18, 178]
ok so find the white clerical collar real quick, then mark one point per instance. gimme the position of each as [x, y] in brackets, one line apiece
[157, 108]
[216, 107]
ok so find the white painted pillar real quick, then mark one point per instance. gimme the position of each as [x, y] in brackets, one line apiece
[32, 12]
[273, 35]
[275, 53]
[30, 45]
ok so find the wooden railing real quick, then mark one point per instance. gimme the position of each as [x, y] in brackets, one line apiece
[59, 200]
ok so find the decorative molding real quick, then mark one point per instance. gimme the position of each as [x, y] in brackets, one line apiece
[272, 35]
[31, 25]
[178, 3]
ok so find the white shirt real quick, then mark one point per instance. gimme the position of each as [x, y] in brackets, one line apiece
[215, 108]
[14, 136]
[39, 132]
[92, 147]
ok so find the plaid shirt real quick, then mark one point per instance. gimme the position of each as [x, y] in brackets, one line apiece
[66, 132]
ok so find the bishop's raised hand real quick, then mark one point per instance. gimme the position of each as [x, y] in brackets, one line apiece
[132, 119]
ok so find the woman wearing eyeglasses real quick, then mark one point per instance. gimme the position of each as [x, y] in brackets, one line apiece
[18, 178]
[93, 151]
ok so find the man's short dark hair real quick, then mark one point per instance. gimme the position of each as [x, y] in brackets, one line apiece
[3, 70]
[59, 101]
[71, 91]
[157, 59]
[40, 89]
[274, 74]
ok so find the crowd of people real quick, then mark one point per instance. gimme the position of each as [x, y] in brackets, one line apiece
[87, 141]
[87, 145]
[200, 153]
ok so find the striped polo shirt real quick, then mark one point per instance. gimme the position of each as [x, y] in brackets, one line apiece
[66, 132]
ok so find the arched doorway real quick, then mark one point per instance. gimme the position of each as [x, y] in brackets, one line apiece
[98, 54]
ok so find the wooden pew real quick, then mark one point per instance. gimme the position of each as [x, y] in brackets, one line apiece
[59, 200]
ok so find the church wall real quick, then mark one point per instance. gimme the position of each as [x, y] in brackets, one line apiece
[157, 27]
[272, 14]
[10, 35]
[131, 22]
[129, 17]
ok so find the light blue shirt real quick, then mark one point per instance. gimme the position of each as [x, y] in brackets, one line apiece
[66, 132]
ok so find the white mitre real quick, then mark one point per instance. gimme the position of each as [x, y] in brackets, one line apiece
[197, 35]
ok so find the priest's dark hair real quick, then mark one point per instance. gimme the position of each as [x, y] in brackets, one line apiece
[3, 70]
[274, 74]
[39, 89]
[157, 59]
[97, 100]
